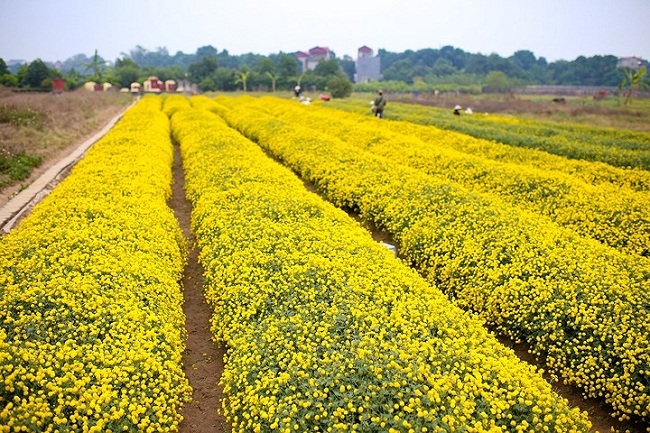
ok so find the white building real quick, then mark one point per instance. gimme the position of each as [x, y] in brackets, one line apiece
[629, 62]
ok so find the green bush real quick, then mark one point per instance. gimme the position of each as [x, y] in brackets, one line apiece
[339, 87]
[16, 167]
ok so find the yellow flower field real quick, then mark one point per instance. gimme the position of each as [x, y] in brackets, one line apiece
[582, 306]
[612, 214]
[91, 324]
[615, 147]
[325, 329]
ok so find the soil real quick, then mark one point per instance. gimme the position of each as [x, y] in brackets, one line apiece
[203, 359]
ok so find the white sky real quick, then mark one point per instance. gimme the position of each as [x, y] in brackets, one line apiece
[554, 29]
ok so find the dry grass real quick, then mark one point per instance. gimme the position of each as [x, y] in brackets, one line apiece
[48, 126]
[58, 119]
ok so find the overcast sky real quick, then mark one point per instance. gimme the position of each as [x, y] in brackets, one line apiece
[554, 29]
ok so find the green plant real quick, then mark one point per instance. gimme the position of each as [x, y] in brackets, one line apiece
[339, 87]
[16, 167]
[20, 116]
[633, 81]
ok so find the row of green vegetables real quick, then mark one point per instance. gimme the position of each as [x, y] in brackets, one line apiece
[91, 321]
[611, 214]
[325, 329]
[608, 145]
[497, 146]
[582, 306]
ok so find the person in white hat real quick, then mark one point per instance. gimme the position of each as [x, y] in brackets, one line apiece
[457, 109]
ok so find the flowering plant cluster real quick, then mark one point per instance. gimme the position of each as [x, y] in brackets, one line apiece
[91, 324]
[582, 306]
[326, 330]
[612, 214]
[619, 148]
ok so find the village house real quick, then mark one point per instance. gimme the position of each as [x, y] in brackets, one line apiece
[308, 60]
[367, 65]
[629, 62]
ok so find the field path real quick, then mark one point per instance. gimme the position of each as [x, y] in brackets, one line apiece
[202, 360]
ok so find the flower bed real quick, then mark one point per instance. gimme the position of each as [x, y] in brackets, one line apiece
[618, 148]
[612, 214]
[325, 329]
[91, 324]
[583, 307]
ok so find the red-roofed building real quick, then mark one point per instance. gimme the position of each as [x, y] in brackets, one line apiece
[368, 66]
[366, 51]
[310, 59]
[302, 58]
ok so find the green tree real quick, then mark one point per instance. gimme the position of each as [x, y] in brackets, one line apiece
[224, 79]
[524, 59]
[633, 81]
[349, 67]
[97, 66]
[243, 75]
[324, 71]
[265, 65]
[265, 73]
[227, 61]
[203, 68]
[6, 77]
[206, 51]
[442, 67]
[273, 76]
[496, 81]
[35, 74]
[73, 79]
[9, 80]
[401, 70]
[288, 70]
[207, 84]
[3, 67]
[339, 87]
[327, 68]
[124, 72]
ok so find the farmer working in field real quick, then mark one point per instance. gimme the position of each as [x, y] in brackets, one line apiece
[380, 103]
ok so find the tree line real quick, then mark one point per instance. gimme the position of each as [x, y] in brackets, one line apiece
[447, 68]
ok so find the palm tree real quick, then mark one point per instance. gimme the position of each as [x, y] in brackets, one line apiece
[97, 66]
[243, 75]
[633, 81]
[274, 77]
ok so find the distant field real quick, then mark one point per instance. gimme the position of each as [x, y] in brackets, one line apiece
[609, 112]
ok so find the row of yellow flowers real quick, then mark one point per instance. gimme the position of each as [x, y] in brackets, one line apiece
[325, 329]
[593, 172]
[91, 321]
[613, 215]
[612, 146]
[582, 306]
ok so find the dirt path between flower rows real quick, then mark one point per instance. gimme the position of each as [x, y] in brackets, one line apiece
[202, 360]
